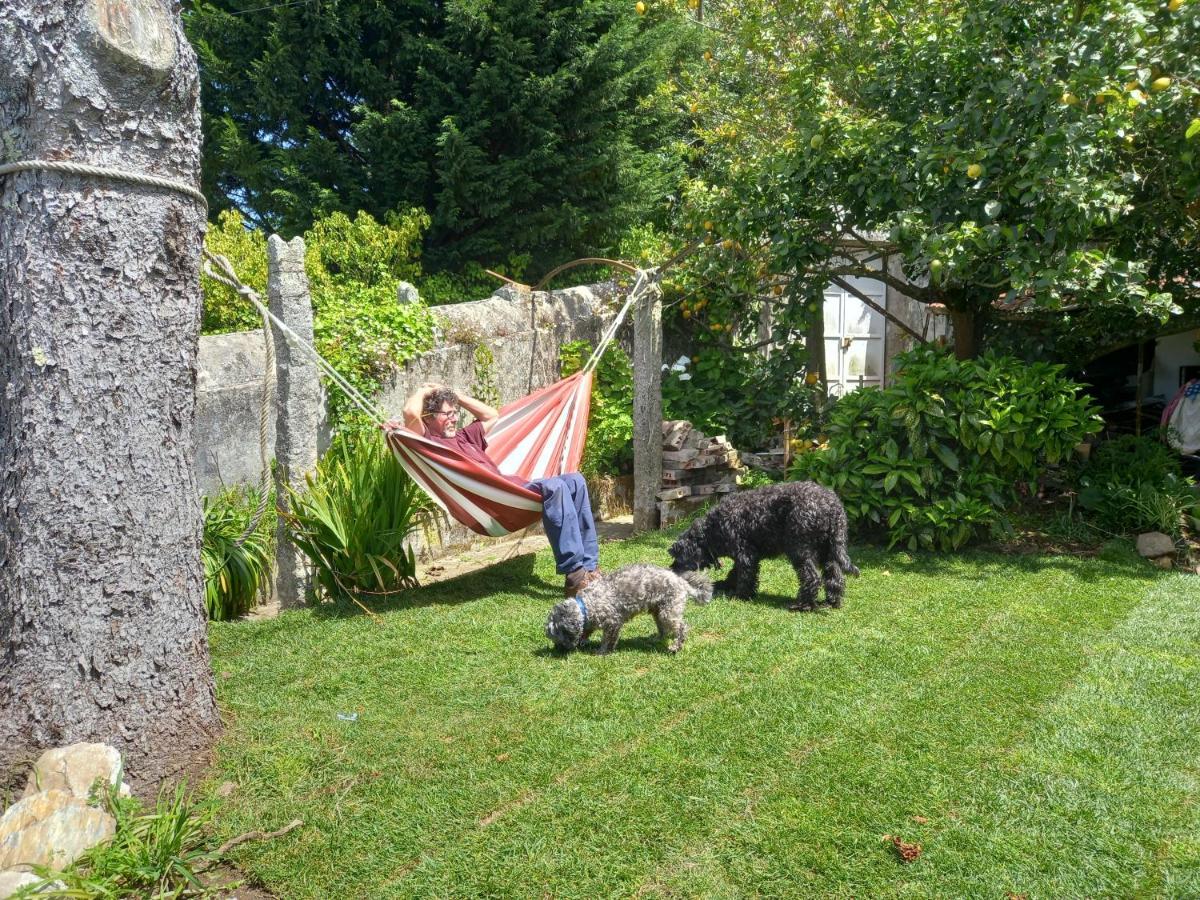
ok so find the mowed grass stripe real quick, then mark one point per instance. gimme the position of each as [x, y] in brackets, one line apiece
[992, 803]
[397, 797]
[703, 736]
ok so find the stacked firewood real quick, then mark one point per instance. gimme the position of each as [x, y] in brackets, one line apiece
[695, 468]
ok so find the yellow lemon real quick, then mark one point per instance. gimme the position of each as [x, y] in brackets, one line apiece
[1174, 5]
[708, 56]
[708, 225]
[641, 8]
[686, 313]
[974, 170]
[1069, 99]
[727, 244]
[693, 4]
[1160, 84]
[811, 378]
[695, 108]
[715, 326]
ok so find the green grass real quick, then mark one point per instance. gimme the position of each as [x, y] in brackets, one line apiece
[1041, 714]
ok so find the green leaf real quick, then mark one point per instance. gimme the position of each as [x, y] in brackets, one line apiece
[948, 457]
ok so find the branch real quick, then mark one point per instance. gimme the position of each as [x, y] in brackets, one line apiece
[846, 286]
[216, 855]
[907, 288]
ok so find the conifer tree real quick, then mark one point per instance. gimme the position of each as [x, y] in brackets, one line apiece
[535, 127]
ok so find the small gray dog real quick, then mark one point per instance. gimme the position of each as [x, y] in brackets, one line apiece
[615, 598]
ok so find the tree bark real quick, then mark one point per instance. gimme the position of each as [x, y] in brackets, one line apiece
[647, 409]
[966, 333]
[102, 631]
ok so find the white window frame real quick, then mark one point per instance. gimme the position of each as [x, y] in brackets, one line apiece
[837, 353]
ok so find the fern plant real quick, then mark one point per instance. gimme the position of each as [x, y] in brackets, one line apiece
[354, 517]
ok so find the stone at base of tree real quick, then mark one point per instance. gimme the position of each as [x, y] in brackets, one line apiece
[1154, 544]
[1165, 562]
[51, 828]
[75, 769]
[12, 881]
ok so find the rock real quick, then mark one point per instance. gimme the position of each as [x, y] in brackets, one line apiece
[1153, 544]
[51, 828]
[407, 293]
[12, 881]
[1165, 562]
[75, 769]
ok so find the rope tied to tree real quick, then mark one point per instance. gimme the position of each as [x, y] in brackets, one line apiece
[67, 167]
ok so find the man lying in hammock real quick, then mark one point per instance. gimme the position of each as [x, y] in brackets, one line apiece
[432, 410]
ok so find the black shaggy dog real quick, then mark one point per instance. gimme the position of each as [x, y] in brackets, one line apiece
[800, 520]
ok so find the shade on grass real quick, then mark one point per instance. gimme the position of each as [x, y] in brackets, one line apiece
[1033, 723]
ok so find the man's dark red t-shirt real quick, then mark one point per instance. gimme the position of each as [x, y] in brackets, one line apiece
[471, 442]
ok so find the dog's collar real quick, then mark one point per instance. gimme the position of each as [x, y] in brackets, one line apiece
[582, 609]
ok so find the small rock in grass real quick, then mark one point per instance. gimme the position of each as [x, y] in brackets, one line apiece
[1154, 544]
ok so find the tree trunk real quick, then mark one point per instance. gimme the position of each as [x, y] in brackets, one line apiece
[647, 409]
[814, 336]
[966, 333]
[102, 631]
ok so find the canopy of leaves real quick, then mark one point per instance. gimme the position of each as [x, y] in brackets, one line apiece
[520, 127]
[1019, 152]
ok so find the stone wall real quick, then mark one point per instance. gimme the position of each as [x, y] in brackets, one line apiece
[499, 349]
[228, 398]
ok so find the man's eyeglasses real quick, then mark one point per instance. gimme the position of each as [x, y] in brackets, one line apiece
[444, 414]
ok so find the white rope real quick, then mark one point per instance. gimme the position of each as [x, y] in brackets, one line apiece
[229, 277]
[644, 280]
[67, 167]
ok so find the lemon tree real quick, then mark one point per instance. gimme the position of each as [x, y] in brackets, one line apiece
[1019, 154]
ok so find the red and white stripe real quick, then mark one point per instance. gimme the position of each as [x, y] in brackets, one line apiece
[535, 437]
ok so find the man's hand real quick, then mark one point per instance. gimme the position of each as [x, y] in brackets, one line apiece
[391, 425]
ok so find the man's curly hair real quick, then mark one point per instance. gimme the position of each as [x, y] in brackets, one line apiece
[433, 401]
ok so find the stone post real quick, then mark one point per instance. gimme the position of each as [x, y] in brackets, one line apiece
[647, 409]
[299, 406]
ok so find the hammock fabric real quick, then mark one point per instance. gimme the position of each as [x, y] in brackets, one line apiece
[535, 437]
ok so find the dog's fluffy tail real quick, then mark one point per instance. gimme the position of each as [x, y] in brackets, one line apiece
[700, 587]
[842, 558]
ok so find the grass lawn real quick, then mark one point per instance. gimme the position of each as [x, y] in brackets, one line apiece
[1032, 722]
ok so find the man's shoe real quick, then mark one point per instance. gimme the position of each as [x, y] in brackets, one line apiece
[578, 580]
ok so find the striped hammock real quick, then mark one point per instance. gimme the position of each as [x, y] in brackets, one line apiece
[536, 437]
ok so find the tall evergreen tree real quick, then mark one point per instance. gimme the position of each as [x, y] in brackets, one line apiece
[538, 126]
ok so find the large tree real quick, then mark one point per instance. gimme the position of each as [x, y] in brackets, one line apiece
[521, 126]
[1016, 153]
[102, 630]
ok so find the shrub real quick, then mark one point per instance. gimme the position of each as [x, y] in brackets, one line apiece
[152, 854]
[353, 520]
[224, 310]
[1133, 484]
[932, 459]
[354, 268]
[609, 447]
[745, 396]
[235, 574]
